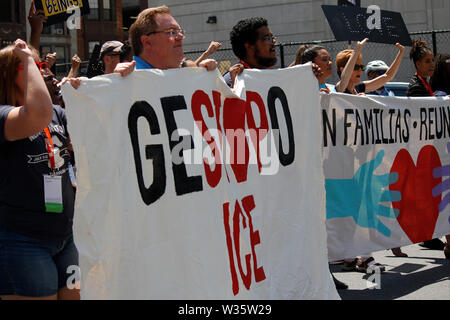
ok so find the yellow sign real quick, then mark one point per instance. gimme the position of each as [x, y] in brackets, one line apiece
[54, 7]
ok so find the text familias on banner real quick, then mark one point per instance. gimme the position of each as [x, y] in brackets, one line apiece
[384, 126]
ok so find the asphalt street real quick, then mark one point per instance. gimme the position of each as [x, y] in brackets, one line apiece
[423, 275]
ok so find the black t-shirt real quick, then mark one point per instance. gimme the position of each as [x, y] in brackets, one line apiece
[416, 88]
[360, 88]
[22, 166]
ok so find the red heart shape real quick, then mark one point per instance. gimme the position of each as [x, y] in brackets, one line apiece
[418, 208]
[234, 111]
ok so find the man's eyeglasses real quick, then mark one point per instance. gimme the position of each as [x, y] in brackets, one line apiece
[40, 65]
[360, 67]
[169, 32]
[269, 38]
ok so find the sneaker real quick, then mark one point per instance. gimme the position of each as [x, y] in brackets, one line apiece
[369, 266]
[350, 265]
[336, 262]
[398, 252]
[434, 244]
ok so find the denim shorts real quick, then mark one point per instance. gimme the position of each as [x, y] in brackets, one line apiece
[31, 267]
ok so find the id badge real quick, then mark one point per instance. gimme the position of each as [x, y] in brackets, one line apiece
[53, 193]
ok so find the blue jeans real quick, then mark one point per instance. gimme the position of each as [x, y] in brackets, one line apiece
[31, 267]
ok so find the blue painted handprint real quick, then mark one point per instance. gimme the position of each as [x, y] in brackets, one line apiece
[444, 185]
[360, 196]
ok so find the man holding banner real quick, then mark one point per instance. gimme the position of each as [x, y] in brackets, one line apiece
[157, 41]
[177, 227]
[254, 44]
[212, 227]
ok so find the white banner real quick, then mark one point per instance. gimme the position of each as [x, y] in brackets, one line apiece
[153, 221]
[386, 167]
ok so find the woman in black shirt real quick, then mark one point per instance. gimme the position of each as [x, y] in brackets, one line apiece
[423, 59]
[420, 86]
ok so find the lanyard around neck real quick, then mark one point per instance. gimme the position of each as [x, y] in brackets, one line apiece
[426, 84]
[50, 147]
[245, 64]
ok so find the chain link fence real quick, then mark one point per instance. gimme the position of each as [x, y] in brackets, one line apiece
[439, 40]
[61, 70]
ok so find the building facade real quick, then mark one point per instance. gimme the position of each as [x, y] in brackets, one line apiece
[207, 20]
[12, 21]
[55, 38]
[301, 21]
[103, 23]
[289, 20]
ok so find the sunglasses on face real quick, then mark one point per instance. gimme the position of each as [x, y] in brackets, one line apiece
[360, 67]
[40, 65]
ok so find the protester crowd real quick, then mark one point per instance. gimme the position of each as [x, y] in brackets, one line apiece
[37, 200]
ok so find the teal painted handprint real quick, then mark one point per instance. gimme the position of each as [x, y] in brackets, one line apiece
[360, 196]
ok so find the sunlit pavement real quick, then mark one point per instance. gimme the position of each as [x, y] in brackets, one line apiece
[423, 275]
